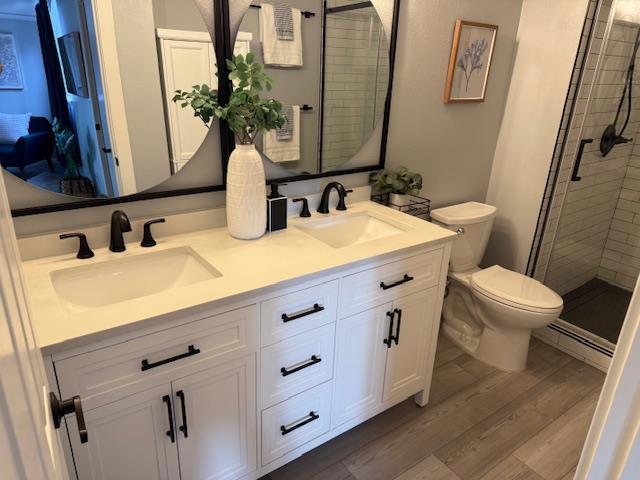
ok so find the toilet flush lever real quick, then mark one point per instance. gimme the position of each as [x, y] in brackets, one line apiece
[460, 231]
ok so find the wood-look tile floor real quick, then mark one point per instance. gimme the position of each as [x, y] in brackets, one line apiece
[480, 424]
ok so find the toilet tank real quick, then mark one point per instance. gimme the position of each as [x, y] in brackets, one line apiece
[473, 220]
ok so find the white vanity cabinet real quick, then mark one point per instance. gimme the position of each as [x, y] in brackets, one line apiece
[282, 372]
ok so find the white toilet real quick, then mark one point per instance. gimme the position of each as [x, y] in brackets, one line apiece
[490, 312]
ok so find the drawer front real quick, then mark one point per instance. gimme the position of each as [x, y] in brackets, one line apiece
[296, 364]
[288, 315]
[370, 288]
[295, 422]
[104, 375]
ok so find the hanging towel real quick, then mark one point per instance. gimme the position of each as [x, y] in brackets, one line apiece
[283, 17]
[286, 132]
[283, 53]
[284, 150]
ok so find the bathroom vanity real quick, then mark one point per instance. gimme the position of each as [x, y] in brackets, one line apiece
[210, 357]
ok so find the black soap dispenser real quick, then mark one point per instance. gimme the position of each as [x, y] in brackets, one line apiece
[276, 209]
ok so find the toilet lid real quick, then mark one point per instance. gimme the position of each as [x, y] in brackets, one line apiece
[515, 289]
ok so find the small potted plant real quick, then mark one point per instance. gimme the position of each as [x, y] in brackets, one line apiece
[72, 183]
[400, 184]
[247, 115]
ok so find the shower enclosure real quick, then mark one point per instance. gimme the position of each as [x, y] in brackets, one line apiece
[587, 246]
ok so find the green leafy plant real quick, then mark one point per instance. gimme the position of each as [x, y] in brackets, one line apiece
[202, 99]
[400, 181]
[66, 145]
[246, 112]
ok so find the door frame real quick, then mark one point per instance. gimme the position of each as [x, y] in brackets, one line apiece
[29, 444]
[612, 448]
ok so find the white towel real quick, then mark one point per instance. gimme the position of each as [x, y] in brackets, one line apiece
[283, 53]
[283, 150]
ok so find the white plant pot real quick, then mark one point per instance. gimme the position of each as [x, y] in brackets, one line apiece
[399, 199]
[246, 194]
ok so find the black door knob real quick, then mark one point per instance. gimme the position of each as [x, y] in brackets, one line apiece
[60, 408]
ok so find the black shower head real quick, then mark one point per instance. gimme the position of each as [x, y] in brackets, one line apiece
[610, 139]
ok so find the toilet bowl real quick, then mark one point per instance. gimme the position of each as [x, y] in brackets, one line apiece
[490, 312]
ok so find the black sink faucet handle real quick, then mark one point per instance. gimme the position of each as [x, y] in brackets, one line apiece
[84, 251]
[304, 211]
[147, 238]
[341, 205]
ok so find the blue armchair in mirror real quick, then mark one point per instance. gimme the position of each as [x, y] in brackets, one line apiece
[32, 146]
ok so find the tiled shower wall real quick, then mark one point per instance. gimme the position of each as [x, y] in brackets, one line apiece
[581, 241]
[356, 79]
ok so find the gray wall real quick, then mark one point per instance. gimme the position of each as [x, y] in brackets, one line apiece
[178, 15]
[452, 146]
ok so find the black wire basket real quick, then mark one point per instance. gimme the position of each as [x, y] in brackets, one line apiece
[415, 206]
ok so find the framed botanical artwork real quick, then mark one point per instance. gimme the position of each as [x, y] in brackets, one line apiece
[470, 61]
[73, 64]
[10, 74]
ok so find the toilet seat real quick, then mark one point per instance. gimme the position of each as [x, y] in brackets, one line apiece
[515, 290]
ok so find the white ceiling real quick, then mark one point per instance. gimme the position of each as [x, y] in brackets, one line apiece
[18, 7]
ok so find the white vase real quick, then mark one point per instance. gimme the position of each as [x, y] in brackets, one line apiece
[246, 194]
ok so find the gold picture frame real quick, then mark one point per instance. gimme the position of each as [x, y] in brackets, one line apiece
[470, 62]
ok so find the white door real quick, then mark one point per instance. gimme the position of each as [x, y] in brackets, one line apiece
[216, 421]
[407, 358]
[188, 59]
[130, 439]
[29, 445]
[360, 362]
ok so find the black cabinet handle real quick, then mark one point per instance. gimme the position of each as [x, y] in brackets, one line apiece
[310, 418]
[183, 427]
[146, 365]
[576, 166]
[312, 361]
[397, 335]
[60, 408]
[405, 279]
[388, 341]
[315, 309]
[171, 433]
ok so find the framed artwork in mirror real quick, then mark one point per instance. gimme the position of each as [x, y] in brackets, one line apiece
[73, 64]
[10, 74]
[470, 62]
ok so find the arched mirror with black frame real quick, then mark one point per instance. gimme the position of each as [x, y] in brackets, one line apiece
[333, 73]
[87, 109]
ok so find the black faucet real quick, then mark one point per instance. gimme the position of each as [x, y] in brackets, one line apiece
[342, 194]
[119, 225]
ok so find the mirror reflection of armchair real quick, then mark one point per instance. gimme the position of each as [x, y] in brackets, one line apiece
[34, 147]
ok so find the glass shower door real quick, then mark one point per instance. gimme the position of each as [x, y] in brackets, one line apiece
[590, 250]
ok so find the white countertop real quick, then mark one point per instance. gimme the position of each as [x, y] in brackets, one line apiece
[246, 266]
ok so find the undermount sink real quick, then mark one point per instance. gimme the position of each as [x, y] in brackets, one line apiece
[114, 281]
[352, 229]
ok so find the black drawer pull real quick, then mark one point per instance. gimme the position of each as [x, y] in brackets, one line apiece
[405, 279]
[146, 365]
[310, 418]
[315, 309]
[312, 361]
[389, 340]
[183, 404]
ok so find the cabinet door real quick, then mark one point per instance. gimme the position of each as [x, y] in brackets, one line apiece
[218, 408]
[360, 363]
[407, 358]
[128, 439]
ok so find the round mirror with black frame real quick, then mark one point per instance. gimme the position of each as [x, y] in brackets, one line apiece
[331, 65]
[87, 105]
